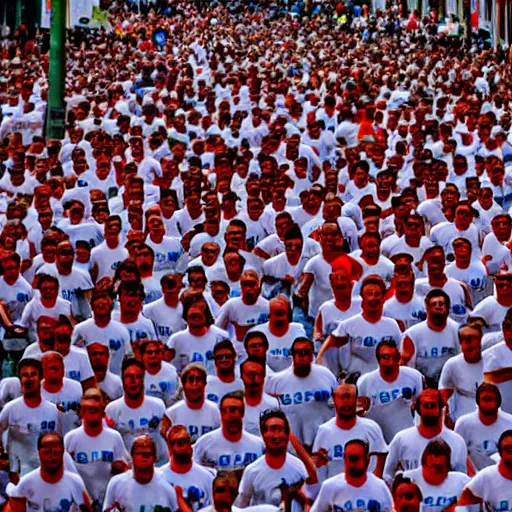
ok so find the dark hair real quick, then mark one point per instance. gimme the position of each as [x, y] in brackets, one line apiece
[13, 256]
[436, 292]
[385, 343]
[273, 413]
[360, 442]
[437, 447]
[487, 386]
[170, 278]
[256, 334]
[223, 344]
[129, 362]
[504, 435]
[293, 232]
[234, 395]
[43, 278]
[252, 360]
[373, 280]
[399, 480]
[30, 361]
[302, 339]
[145, 343]
[63, 320]
[193, 298]
[42, 435]
[471, 325]
[132, 288]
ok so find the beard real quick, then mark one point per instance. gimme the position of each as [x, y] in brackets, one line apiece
[430, 421]
[182, 458]
[356, 472]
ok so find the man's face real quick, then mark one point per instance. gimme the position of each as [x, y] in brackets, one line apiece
[436, 465]
[355, 461]
[302, 355]
[11, 271]
[256, 348]
[275, 436]
[111, 232]
[223, 494]
[463, 218]
[235, 237]
[49, 290]
[156, 226]
[430, 411]
[389, 359]
[172, 290]
[130, 303]
[232, 415]
[53, 369]
[51, 454]
[488, 404]
[62, 335]
[253, 376]
[413, 228]
[331, 239]
[196, 317]
[225, 360]
[45, 331]
[143, 456]
[29, 378]
[153, 354]
[180, 447]
[470, 343]
[293, 248]
[98, 356]
[406, 498]
[341, 285]
[249, 287]
[197, 281]
[194, 386]
[437, 308]
[279, 313]
[502, 228]
[506, 452]
[373, 298]
[435, 263]
[133, 382]
[370, 247]
[345, 401]
[144, 260]
[209, 253]
[91, 412]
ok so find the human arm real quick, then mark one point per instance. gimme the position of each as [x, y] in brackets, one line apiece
[332, 341]
[408, 350]
[18, 504]
[305, 458]
[498, 376]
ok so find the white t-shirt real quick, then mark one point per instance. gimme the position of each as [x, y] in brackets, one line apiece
[77, 365]
[72, 287]
[167, 254]
[252, 413]
[93, 457]
[320, 290]
[25, 424]
[15, 297]
[10, 388]
[198, 421]
[195, 349]
[332, 438]
[236, 311]
[43, 496]
[433, 348]
[408, 313]
[455, 290]
[463, 378]
[132, 423]
[68, 397]
[112, 386]
[436, 498]
[163, 384]
[115, 336]
[500, 356]
[492, 312]
[261, 483]
[338, 495]
[279, 351]
[482, 440]
[142, 328]
[390, 402]
[135, 497]
[107, 259]
[215, 451]
[196, 484]
[166, 320]
[305, 400]
[493, 489]
[216, 389]
[407, 447]
[363, 338]
[475, 276]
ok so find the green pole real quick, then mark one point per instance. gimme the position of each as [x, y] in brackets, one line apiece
[19, 14]
[56, 115]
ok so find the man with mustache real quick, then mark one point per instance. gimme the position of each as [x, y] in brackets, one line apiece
[262, 480]
[356, 488]
[427, 346]
[182, 471]
[229, 447]
[440, 487]
[407, 446]
[407, 496]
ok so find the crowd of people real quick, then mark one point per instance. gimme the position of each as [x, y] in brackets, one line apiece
[268, 267]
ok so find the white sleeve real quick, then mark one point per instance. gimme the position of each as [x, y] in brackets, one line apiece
[199, 450]
[322, 502]
[392, 460]
[446, 381]
[459, 457]
[223, 318]
[477, 485]
[110, 496]
[245, 491]
[377, 443]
